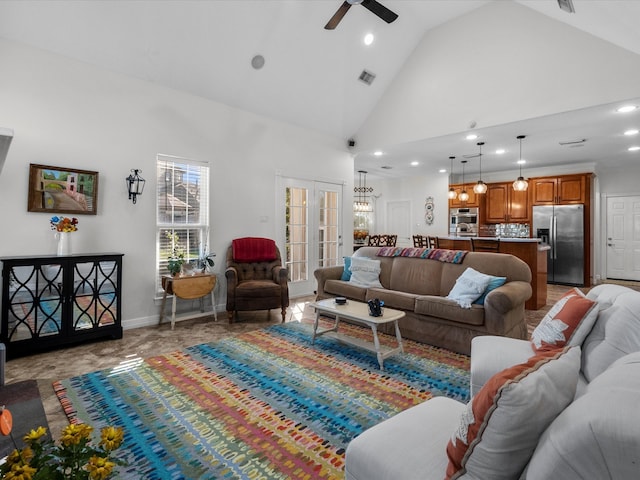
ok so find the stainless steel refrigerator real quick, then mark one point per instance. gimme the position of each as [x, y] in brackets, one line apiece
[562, 228]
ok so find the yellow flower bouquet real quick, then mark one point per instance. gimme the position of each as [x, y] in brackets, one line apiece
[74, 458]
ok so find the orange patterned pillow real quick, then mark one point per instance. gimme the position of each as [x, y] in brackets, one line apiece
[568, 322]
[502, 424]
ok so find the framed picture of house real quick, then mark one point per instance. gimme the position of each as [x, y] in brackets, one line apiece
[62, 190]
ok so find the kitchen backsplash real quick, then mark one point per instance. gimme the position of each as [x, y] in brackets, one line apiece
[505, 230]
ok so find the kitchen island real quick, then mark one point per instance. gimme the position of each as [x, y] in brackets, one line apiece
[528, 250]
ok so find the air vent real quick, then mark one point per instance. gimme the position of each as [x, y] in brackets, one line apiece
[386, 167]
[367, 77]
[573, 143]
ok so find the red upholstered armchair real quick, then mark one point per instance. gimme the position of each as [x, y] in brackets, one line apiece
[256, 279]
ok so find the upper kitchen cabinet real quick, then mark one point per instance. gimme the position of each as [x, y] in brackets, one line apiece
[562, 190]
[505, 205]
[474, 200]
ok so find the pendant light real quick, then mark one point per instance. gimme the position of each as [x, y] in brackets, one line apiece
[520, 185]
[464, 196]
[362, 202]
[452, 192]
[480, 187]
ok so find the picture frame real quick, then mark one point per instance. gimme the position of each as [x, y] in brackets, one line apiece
[62, 190]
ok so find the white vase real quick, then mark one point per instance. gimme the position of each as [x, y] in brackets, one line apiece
[64, 243]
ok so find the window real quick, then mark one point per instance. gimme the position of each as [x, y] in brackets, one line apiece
[183, 210]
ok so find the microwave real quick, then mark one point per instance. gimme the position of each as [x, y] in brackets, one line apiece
[464, 215]
[463, 222]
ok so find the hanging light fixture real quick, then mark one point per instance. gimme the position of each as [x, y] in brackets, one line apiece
[361, 204]
[464, 196]
[480, 187]
[452, 192]
[135, 184]
[520, 185]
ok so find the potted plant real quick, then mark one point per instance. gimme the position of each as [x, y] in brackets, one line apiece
[176, 257]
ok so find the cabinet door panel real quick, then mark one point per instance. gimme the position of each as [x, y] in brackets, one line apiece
[518, 207]
[473, 198]
[544, 191]
[571, 189]
[496, 203]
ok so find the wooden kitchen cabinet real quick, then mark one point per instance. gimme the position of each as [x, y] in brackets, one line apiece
[504, 205]
[474, 200]
[562, 190]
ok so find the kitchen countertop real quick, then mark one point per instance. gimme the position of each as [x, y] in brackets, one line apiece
[502, 239]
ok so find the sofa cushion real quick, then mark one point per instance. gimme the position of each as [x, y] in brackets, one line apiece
[616, 332]
[440, 307]
[597, 435]
[469, 287]
[419, 276]
[568, 322]
[501, 425]
[340, 288]
[346, 273]
[494, 283]
[408, 446]
[393, 299]
[365, 272]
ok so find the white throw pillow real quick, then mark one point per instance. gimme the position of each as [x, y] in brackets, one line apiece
[365, 272]
[500, 429]
[469, 287]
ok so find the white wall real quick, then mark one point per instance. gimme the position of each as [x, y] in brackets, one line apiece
[69, 114]
[500, 63]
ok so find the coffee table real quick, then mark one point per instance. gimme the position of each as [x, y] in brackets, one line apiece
[358, 312]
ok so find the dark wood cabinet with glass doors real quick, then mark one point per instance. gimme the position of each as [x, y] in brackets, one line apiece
[54, 301]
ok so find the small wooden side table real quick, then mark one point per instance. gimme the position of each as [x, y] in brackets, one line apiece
[188, 287]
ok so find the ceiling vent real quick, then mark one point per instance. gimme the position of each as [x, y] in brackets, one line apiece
[367, 77]
[573, 143]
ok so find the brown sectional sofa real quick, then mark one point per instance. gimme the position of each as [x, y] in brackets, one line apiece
[419, 287]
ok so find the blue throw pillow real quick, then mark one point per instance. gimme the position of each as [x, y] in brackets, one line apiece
[494, 283]
[346, 273]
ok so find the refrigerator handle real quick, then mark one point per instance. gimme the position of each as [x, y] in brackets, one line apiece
[552, 242]
[555, 237]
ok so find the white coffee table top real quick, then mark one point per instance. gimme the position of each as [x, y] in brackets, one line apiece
[358, 311]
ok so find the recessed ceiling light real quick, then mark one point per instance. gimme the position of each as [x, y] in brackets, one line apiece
[257, 62]
[442, 170]
[377, 153]
[634, 149]
[415, 163]
[631, 132]
[522, 161]
[472, 136]
[627, 108]
[368, 39]
[500, 151]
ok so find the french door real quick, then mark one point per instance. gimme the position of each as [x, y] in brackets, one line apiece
[310, 230]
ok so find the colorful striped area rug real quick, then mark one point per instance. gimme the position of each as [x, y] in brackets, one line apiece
[266, 404]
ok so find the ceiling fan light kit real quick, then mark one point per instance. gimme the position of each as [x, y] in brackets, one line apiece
[520, 185]
[372, 5]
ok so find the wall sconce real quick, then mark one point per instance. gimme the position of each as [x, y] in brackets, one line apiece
[135, 184]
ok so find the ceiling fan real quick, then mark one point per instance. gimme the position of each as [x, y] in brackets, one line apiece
[380, 10]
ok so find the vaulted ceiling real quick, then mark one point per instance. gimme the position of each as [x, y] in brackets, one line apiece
[310, 75]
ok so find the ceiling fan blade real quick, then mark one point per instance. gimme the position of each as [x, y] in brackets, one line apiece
[380, 10]
[335, 20]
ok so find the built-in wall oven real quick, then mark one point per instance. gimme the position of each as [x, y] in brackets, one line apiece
[463, 222]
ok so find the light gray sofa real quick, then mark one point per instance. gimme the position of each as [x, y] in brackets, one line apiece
[597, 436]
[419, 286]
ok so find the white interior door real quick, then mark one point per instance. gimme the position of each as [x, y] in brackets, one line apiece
[310, 230]
[623, 238]
[399, 221]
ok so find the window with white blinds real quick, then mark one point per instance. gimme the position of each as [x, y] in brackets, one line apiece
[183, 211]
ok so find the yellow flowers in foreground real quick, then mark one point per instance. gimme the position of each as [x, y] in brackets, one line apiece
[74, 458]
